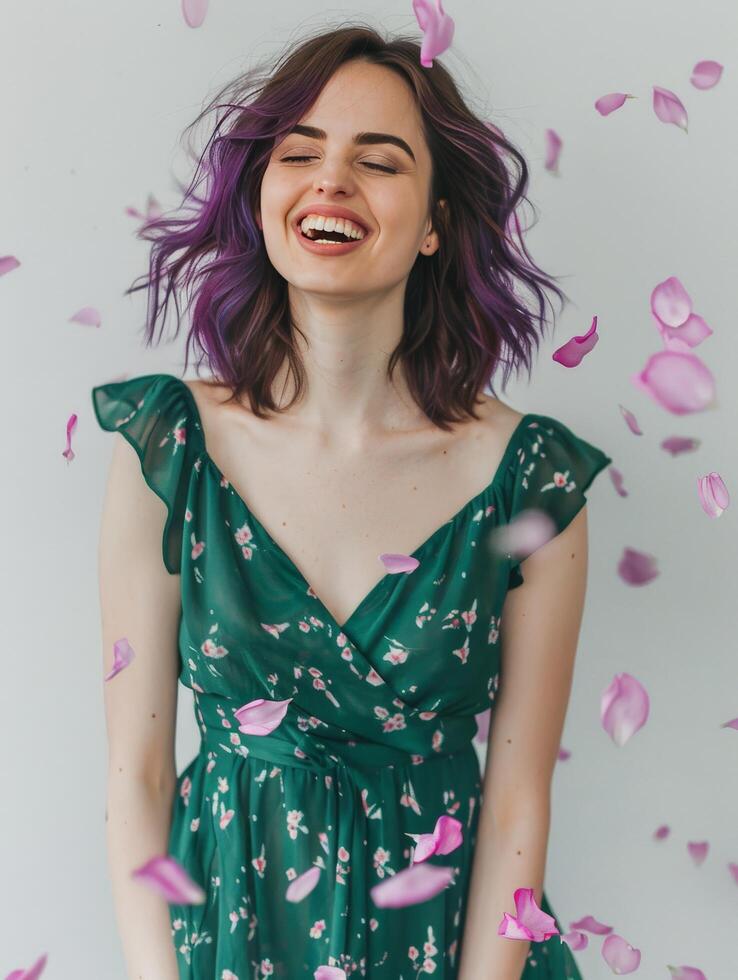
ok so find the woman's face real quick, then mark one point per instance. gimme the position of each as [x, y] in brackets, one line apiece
[337, 170]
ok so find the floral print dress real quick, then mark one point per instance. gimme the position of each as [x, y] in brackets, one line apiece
[376, 742]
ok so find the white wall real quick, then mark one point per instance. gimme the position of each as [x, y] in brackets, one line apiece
[95, 98]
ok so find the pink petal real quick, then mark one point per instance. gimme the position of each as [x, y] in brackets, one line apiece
[449, 834]
[609, 103]
[573, 351]
[576, 940]
[510, 928]
[395, 563]
[706, 74]
[33, 974]
[713, 494]
[68, 453]
[482, 720]
[669, 108]
[88, 316]
[731, 724]
[677, 381]
[686, 973]
[261, 716]
[553, 150]
[411, 886]
[123, 654]
[437, 28]
[624, 707]
[590, 924]
[303, 884]
[617, 481]
[733, 868]
[680, 444]
[636, 567]
[194, 11]
[619, 955]
[563, 754]
[329, 973]
[661, 832]
[671, 303]
[631, 421]
[529, 920]
[166, 876]
[698, 851]
[8, 263]
[689, 334]
[524, 534]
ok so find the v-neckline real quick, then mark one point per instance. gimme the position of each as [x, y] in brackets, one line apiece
[385, 579]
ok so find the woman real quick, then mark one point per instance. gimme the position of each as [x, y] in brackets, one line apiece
[346, 419]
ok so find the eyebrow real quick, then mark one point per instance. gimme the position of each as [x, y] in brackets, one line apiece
[361, 139]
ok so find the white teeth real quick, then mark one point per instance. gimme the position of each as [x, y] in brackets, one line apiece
[341, 225]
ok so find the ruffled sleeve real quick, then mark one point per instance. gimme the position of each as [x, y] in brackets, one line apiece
[552, 471]
[157, 415]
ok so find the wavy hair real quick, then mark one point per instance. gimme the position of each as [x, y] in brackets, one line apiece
[462, 315]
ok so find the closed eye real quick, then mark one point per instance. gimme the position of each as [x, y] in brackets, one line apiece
[367, 163]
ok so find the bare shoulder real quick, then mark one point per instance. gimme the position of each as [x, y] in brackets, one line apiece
[497, 420]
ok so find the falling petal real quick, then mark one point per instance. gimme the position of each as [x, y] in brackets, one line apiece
[661, 832]
[412, 885]
[686, 973]
[609, 103]
[733, 868]
[194, 11]
[669, 108]
[637, 567]
[261, 716]
[524, 534]
[88, 316]
[482, 719]
[680, 444]
[303, 884]
[529, 921]
[619, 955]
[553, 150]
[33, 974]
[617, 481]
[68, 453]
[689, 334]
[573, 351]
[624, 708]
[713, 494]
[8, 263]
[671, 303]
[437, 28]
[123, 654]
[395, 563]
[576, 940]
[329, 973]
[446, 837]
[166, 876]
[677, 381]
[698, 852]
[631, 421]
[563, 754]
[706, 74]
[731, 724]
[590, 924]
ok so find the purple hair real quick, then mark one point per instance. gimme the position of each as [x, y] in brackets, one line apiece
[462, 317]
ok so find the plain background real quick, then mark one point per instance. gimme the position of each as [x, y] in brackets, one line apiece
[95, 99]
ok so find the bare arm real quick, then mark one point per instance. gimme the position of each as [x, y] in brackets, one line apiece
[139, 600]
[539, 633]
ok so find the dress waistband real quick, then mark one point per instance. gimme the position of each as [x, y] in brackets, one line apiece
[307, 750]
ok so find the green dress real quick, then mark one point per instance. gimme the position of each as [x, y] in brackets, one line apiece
[376, 743]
